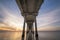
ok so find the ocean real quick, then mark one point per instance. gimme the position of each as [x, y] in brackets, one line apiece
[43, 35]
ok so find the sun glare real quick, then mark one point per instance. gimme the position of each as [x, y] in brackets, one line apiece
[13, 21]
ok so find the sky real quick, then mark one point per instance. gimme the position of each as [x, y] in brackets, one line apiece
[48, 14]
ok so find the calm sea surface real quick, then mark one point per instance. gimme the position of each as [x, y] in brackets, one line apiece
[17, 35]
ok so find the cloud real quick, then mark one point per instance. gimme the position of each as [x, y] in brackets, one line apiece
[49, 28]
[11, 19]
[48, 18]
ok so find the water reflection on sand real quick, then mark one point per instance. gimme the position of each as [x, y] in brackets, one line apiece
[17, 35]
